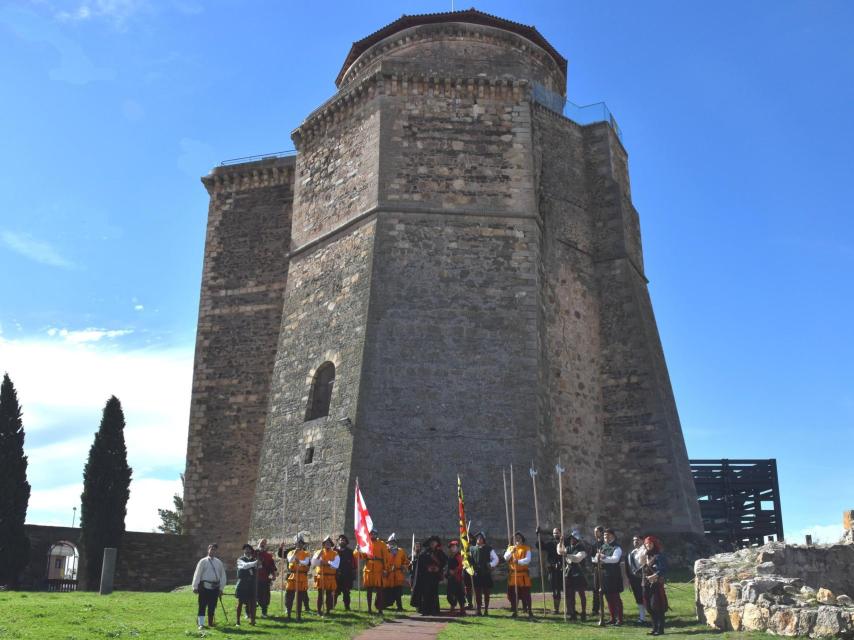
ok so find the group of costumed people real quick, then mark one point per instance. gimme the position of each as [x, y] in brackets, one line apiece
[573, 566]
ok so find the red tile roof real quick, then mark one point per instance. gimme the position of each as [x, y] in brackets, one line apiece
[472, 16]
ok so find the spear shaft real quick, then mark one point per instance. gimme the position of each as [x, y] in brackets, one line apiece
[539, 541]
[513, 516]
[559, 470]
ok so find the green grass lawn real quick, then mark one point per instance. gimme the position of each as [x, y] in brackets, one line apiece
[84, 616]
[157, 616]
[681, 623]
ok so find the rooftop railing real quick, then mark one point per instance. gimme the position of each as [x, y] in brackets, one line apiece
[263, 156]
[580, 114]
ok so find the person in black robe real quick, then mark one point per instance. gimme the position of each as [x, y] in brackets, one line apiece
[346, 571]
[654, 572]
[431, 565]
[415, 596]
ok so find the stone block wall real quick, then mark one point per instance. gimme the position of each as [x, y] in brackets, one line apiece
[243, 282]
[450, 371]
[324, 319]
[145, 561]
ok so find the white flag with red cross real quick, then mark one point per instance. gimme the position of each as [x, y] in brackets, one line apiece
[363, 524]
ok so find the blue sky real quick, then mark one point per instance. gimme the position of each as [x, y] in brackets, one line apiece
[736, 116]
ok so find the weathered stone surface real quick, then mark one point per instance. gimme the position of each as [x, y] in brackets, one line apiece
[471, 263]
[740, 590]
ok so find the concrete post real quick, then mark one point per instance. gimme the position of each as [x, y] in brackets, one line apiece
[108, 571]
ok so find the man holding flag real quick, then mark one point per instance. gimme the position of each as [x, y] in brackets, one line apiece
[374, 550]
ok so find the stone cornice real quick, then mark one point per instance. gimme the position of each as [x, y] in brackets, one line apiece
[460, 30]
[392, 81]
[251, 175]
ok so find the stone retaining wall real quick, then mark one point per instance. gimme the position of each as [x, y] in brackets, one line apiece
[787, 590]
[146, 561]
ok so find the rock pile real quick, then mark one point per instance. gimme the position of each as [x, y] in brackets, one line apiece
[787, 590]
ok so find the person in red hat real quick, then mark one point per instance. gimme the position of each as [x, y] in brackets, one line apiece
[654, 572]
[454, 574]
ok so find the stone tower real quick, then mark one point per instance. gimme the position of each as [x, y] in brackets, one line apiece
[448, 278]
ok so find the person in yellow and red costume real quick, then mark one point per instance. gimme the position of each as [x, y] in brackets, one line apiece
[297, 583]
[398, 565]
[375, 571]
[325, 562]
[518, 556]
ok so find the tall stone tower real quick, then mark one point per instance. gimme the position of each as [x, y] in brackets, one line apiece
[457, 286]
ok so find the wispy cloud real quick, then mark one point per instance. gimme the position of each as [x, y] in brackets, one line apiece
[75, 67]
[116, 11]
[91, 334]
[38, 250]
[63, 384]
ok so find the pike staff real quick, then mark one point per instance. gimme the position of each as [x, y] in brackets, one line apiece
[559, 470]
[513, 516]
[506, 506]
[533, 473]
[284, 569]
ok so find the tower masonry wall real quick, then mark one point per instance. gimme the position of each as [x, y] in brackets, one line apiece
[471, 263]
[459, 50]
[324, 320]
[571, 339]
[337, 166]
[243, 282]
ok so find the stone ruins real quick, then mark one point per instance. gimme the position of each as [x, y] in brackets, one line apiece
[785, 589]
[446, 278]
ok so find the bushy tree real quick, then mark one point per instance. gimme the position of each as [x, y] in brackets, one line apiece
[171, 521]
[14, 488]
[106, 489]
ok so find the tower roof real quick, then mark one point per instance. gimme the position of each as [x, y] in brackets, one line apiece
[472, 16]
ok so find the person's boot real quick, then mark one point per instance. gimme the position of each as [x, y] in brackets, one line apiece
[239, 611]
[201, 622]
[211, 620]
[556, 609]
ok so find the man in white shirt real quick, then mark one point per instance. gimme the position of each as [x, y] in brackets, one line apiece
[208, 581]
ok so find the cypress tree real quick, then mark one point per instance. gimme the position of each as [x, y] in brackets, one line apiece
[14, 488]
[106, 489]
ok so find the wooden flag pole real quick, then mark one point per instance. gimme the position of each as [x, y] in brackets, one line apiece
[358, 558]
[559, 469]
[533, 473]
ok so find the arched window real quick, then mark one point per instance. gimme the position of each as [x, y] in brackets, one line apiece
[321, 392]
[62, 559]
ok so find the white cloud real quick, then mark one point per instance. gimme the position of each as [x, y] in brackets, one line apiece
[75, 66]
[91, 334]
[116, 11]
[63, 385]
[824, 533]
[38, 250]
[56, 506]
[138, 307]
